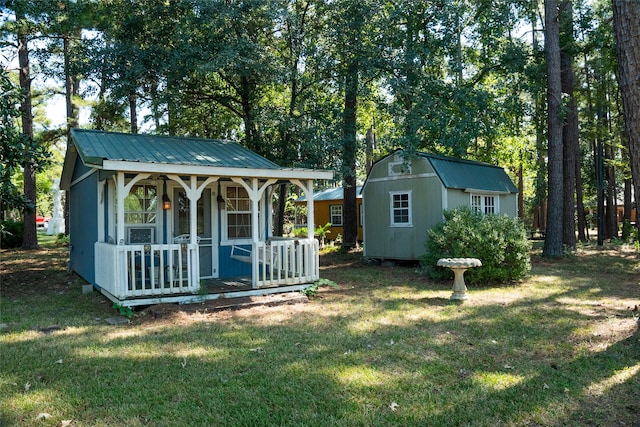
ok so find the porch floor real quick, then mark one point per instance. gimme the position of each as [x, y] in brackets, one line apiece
[230, 287]
[228, 284]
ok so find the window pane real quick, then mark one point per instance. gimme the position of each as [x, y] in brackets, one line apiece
[335, 215]
[239, 225]
[140, 205]
[401, 209]
[238, 213]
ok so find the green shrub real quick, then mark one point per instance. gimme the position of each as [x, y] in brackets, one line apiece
[498, 241]
[62, 239]
[11, 233]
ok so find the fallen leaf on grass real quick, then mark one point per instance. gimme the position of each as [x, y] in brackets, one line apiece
[65, 423]
[43, 416]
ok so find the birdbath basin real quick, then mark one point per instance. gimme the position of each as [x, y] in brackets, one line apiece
[459, 266]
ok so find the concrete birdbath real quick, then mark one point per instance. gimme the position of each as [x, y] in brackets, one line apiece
[459, 266]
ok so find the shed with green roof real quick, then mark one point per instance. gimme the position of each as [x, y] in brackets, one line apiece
[404, 197]
[155, 218]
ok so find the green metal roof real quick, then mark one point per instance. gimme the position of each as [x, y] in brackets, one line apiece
[96, 146]
[468, 174]
[335, 193]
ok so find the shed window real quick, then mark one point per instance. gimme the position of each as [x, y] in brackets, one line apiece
[140, 205]
[237, 214]
[401, 209]
[335, 215]
[484, 203]
[141, 208]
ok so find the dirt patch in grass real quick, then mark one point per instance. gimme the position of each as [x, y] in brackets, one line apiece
[213, 308]
[25, 273]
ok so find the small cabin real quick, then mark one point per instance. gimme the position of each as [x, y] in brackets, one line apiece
[162, 219]
[403, 197]
[328, 208]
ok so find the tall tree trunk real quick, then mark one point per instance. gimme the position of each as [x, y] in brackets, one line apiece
[252, 138]
[626, 23]
[133, 112]
[520, 191]
[599, 150]
[581, 214]
[350, 225]
[571, 147]
[369, 150]
[626, 214]
[540, 192]
[611, 215]
[30, 235]
[71, 89]
[553, 238]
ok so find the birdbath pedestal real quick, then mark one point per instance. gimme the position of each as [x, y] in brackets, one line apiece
[459, 266]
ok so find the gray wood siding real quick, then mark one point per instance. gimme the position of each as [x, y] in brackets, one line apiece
[383, 241]
[428, 200]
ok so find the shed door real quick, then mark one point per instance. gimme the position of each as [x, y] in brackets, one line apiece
[208, 251]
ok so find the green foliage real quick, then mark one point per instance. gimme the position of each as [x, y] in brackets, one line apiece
[323, 230]
[11, 234]
[629, 232]
[499, 241]
[16, 149]
[62, 239]
[124, 311]
[312, 291]
[320, 232]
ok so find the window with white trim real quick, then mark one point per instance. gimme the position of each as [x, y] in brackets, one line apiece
[484, 203]
[140, 213]
[400, 208]
[237, 215]
[141, 205]
[335, 215]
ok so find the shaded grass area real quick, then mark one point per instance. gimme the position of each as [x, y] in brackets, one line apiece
[387, 348]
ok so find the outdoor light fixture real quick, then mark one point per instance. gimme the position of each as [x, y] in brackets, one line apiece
[166, 202]
[221, 202]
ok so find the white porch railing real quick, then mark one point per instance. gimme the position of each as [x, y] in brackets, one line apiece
[286, 262]
[127, 271]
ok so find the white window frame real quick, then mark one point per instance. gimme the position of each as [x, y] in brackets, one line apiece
[479, 202]
[224, 220]
[392, 208]
[152, 226]
[332, 214]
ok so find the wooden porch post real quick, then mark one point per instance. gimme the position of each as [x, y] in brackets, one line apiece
[308, 193]
[311, 224]
[193, 196]
[120, 191]
[255, 192]
[123, 192]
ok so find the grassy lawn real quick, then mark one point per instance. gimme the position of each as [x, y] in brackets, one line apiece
[388, 348]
